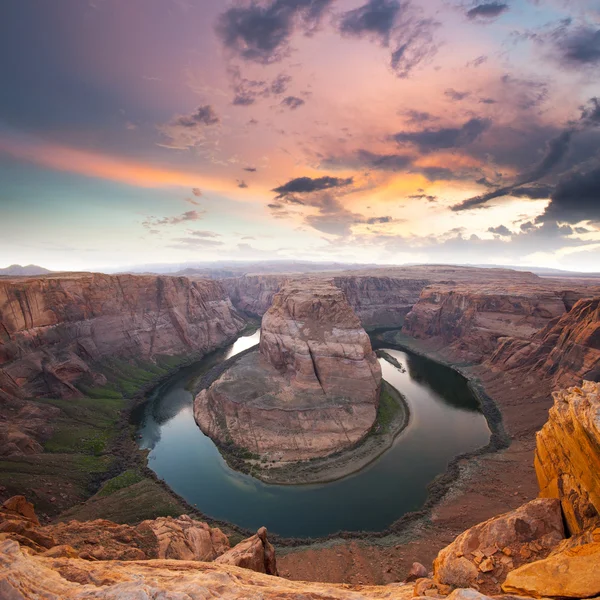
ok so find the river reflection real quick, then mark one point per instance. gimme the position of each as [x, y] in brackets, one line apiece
[445, 421]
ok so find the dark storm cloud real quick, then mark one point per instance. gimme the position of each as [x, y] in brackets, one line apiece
[524, 93]
[392, 24]
[533, 192]
[576, 198]
[442, 174]
[501, 230]
[384, 162]
[307, 185]
[292, 102]
[455, 95]
[376, 18]
[204, 115]
[487, 11]
[261, 32]
[431, 139]
[556, 150]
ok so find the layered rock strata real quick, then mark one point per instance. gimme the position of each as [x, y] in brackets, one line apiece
[566, 351]
[54, 330]
[567, 457]
[311, 390]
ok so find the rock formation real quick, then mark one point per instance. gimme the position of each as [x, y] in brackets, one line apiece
[54, 330]
[253, 294]
[313, 388]
[567, 458]
[469, 319]
[484, 554]
[566, 351]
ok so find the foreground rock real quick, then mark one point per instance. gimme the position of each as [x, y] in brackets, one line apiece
[483, 555]
[162, 538]
[572, 573]
[567, 458]
[313, 389]
[27, 577]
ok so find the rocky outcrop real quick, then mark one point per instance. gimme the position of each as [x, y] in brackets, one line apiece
[23, 576]
[483, 555]
[313, 389]
[255, 553]
[566, 351]
[56, 330]
[567, 457]
[572, 573]
[468, 320]
[163, 538]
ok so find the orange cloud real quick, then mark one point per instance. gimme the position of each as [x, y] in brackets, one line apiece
[102, 166]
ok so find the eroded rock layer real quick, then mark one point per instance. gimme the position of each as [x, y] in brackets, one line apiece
[567, 457]
[54, 330]
[313, 388]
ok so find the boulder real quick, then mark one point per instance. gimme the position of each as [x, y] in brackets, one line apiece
[572, 573]
[255, 553]
[485, 553]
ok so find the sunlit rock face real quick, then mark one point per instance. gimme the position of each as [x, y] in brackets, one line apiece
[469, 319]
[55, 329]
[311, 390]
[567, 457]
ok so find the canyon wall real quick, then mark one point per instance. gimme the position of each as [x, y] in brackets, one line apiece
[566, 351]
[567, 457]
[253, 294]
[54, 330]
[311, 390]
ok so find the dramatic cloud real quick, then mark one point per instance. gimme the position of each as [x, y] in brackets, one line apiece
[423, 196]
[247, 91]
[396, 25]
[307, 185]
[190, 215]
[365, 159]
[292, 102]
[556, 151]
[430, 139]
[533, 192]
[262, 32]
[487, 11]
[576, 198]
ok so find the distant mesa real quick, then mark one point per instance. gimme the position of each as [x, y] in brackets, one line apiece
[27, 271]
[311, 390]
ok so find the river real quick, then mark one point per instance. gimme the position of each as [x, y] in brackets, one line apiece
[445, 420]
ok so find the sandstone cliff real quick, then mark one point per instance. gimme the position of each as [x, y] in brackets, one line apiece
[54, 330]
[468, 320]
[253, 294]
[313, 388]
[567, 458]
[566, 351]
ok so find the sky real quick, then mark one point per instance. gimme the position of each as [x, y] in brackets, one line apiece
[378, 131]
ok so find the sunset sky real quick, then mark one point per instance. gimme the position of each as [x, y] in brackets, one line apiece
[388, 131]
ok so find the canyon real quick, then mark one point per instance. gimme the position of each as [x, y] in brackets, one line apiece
[311, 390]
[517, 337]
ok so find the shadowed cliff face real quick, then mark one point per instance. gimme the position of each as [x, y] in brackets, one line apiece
[566, 351]
[313, 389]
[54, 330]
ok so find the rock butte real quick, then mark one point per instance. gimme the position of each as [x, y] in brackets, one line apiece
[311, 390]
